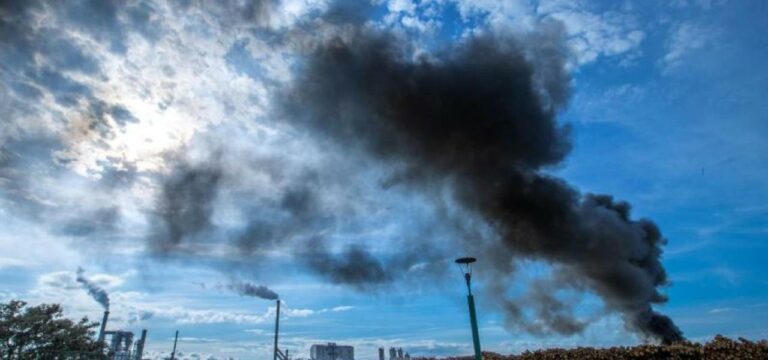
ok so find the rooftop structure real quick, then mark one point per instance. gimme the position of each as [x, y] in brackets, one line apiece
[331, 351]
[121, 344]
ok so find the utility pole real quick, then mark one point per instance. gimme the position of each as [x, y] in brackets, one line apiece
[466, 268]
[175, 340]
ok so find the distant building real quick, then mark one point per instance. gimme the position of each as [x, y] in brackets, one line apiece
[122, 347]
[331, 351]
[394, 354]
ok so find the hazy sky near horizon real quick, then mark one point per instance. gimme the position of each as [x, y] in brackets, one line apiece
[114, 116]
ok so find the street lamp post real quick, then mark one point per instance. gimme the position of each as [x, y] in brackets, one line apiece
[465, 265]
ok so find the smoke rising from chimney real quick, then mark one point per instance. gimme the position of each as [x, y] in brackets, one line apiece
[248, 289]
[96, 292]
[481, 118]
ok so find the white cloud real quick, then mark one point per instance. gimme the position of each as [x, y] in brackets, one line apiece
[128, 307]
[190, 315]
[728, 275]
[187, 315]
[685, 39]
[68, 280]
[8, 296]
[185, 355]
[704, 4]
[60, 279]
[592, 33]
[29, 246]
[607, 104]
[198, 339]
[401, 6]
[10, 263]
[721, 310]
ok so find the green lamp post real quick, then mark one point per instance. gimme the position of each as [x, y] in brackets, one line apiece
[465, 265]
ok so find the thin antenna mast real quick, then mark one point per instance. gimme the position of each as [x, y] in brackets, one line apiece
[175, 339]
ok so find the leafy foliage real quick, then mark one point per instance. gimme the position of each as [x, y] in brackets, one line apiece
[42, 332]
[718, 348]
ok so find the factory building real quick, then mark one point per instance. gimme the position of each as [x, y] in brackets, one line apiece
[121, 344]
[394, 354]
[122, 347]
[331, 351]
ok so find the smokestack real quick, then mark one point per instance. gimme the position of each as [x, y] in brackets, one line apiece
[175, 340]
[140, 345]
[381, 353]
[103, 326]
[277, 328]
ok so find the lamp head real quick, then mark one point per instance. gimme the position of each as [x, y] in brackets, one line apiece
[465, 260]
[465, 264]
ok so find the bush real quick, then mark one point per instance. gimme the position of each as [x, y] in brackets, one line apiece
[719, 348]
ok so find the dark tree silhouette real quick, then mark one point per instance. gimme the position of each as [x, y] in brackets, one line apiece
[42, 332]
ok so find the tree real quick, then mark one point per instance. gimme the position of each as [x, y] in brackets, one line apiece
[42, 332]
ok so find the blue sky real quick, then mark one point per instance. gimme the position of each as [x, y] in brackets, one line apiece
[102, 103]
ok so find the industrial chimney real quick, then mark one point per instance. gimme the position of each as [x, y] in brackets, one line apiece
[277, 330]
[140, 345]
[175, 340]
[103, 326]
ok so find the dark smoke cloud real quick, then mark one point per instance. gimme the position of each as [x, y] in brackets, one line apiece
[233, 12]
[355, 266]
[98, 221]
[18, 160]
[96, 292]
[550, 314]
[298, 218]
[248, 289]
[139, 315]
[185, 205]
[481, 118]
[298, 222]
[297, 212]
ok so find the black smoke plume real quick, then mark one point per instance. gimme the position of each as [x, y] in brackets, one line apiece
[355, 266]
[185, 205]
[481, 118]
[96, 292]
[247, 289]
